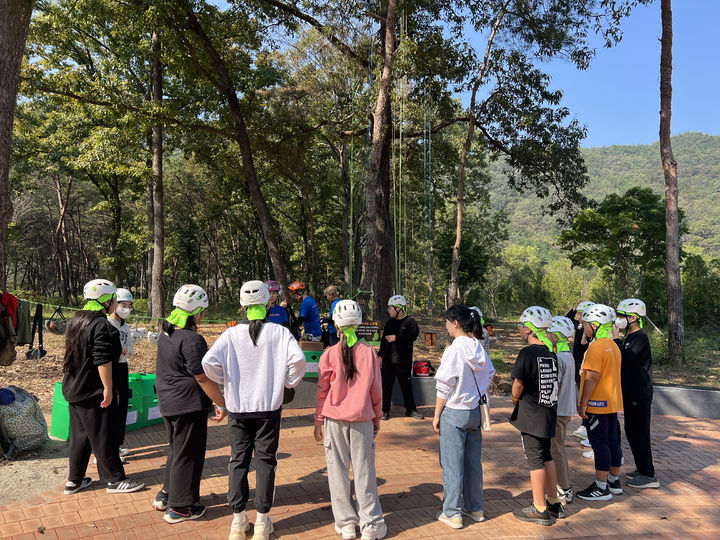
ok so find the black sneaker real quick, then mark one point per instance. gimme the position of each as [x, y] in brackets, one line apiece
[642, 482]
[532, 515]
[594, 493]
[615, 487]
[125, 486]
[161, 501]
[556, 510]
[71, 487]
[386, 416]
[178, 515]
[415, 414]
[632, 474]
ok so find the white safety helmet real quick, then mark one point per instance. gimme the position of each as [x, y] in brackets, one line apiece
[477, 310]
[563, 326]
[538, 316]
[190, 298]
[346, 313]
[124, 295]
[97, 288]
[599, 313]
[585, 304]
[397, 300]
[254, 293]
[632, 306]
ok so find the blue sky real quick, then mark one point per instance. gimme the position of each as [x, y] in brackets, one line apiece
[618, 97]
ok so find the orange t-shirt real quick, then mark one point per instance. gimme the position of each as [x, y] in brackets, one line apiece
[604, 357]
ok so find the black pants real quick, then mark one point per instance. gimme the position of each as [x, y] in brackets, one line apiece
[637, 407]
[187, 439]
[403, 373]
[261, 435]
[333, 339]
[93, 429]
[122, 393]
[604, 435]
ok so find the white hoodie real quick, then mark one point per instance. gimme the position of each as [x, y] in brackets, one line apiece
[463, 364]
[253, 377]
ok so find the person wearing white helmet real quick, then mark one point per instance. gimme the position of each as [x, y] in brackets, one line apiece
[118, 319]
[580, 342]
[347, 418]
[535, 394]
[255, 361]
[92, 350]
[600, 400]
[396, 353]
[483, 334]
[184, 396]
[461, 387]
[637, 389]
[563, 328]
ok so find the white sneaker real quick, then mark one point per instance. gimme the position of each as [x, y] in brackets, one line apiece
[455, 521]
[476, 516]
[348, 531]
[263, 530]
[374, 531]
[590, 454]
[586, 442]
[580, 432]
[238, 526]
[124, 451]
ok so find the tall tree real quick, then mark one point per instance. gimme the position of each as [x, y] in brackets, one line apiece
[676, 323]
[14, 22]
[158, 207]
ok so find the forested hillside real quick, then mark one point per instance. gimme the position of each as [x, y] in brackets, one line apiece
[615, 169]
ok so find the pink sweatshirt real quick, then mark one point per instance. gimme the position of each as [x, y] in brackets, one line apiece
[355, 400]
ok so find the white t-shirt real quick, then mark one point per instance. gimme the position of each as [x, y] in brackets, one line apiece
[125, 338]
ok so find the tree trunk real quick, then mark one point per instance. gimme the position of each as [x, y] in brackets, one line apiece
[227, 88]
[375, 241]
[157, 290]
[676, 322]
[453, 289]
[14, 22]
[114, 185]
[346, 202]
[150, 210]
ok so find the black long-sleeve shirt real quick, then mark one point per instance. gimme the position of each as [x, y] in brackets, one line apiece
[100, 345]
[399, 351]
[636, 371]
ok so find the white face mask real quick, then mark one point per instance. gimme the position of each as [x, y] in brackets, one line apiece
[621, 323]
[123, 312]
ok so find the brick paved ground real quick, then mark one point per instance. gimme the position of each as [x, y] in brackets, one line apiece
[687, 457]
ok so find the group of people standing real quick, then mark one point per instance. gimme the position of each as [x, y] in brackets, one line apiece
[614, 375]
[258, 359]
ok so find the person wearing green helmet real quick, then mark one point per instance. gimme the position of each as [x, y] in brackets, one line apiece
[637, 389]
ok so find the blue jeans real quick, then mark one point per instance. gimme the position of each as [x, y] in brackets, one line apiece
[460, 458]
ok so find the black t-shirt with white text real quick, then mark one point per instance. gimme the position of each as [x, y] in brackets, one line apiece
[536, 412]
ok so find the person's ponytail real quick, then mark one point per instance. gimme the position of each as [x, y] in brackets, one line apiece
[347, 358]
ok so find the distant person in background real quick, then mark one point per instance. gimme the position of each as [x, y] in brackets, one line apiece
[396, 353]
[275, 313]
[534, 393]
[580, 345]
[482, 334]
[637, 389]
[184, 396]
[333, 297]
[120, 375]
[309, 315]
[347, 418]
[92, 350]
[563, 328]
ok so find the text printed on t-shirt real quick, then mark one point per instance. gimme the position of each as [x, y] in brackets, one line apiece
[547, 381]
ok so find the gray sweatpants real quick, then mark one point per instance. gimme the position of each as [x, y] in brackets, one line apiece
[346, 444]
